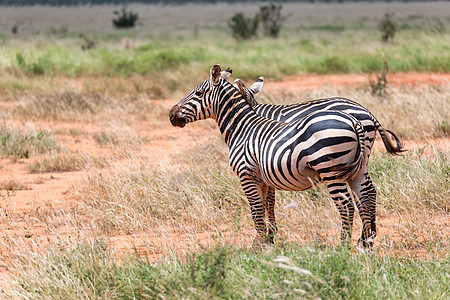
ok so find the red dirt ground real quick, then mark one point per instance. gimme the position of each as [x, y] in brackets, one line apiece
[48, 191]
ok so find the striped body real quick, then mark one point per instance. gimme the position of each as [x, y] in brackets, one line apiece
[325, 146]
[296, 156]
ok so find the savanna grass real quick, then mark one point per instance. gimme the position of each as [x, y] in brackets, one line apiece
[190, 191]
[136, 196]
[118, 137]
[174, 56]
[65, 162]
[12, 184]
[15, 143]
[288, 271]
[318, 53]
[412, 113]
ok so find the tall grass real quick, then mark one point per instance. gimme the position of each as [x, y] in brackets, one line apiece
[64, 162]
[412, 113]
[191, 192]
[89, 271]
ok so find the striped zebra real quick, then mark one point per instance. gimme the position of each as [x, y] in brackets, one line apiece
[362, 187]
[327, 146]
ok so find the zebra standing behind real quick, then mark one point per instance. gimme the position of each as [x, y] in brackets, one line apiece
[325, 146]
[363, 189]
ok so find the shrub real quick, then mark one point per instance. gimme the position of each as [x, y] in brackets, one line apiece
[270, 16]
[242, 27]
[378, 86]
[15, 29]
[387, 27]
[125, 18]
[87, 42]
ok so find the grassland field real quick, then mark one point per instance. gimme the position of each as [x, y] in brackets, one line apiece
[101, 198]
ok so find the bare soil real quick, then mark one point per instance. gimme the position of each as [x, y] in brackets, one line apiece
[25, 214]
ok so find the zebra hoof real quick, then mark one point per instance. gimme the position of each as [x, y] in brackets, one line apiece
[260, 243]
[365, 243]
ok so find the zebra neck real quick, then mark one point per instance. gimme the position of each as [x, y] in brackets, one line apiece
[233, 119]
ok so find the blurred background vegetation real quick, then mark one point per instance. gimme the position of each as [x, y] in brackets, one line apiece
[81, 40]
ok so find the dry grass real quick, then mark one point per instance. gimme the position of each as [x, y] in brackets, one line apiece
[118, 137]
[12, 184]
[65, 162]
[198, 191]
[412, 113]
[19, 143]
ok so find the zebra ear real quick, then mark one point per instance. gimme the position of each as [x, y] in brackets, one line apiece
[226, 74]
[257, 86]
[241, 87]
[248, 97]
[215, 74]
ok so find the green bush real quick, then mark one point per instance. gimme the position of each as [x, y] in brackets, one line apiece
[125, 18]
[242, 27]
[270, 16]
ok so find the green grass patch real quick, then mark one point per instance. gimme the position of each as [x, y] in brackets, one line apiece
[287, 272]
[330, 49]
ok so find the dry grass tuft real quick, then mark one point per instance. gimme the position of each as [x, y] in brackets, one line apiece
[12, 184]
[118, 137]
[65, 162]
[68, 106]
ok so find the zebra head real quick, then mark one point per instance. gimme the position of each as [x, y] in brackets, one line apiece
[197, 104]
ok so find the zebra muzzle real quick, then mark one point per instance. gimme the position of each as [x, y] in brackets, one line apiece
[177, 121]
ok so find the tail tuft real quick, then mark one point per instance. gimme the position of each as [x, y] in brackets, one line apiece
[390, 147]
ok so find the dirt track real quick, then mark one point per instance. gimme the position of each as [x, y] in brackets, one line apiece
[48, 191]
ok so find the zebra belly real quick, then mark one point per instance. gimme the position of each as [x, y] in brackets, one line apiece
[283, 177]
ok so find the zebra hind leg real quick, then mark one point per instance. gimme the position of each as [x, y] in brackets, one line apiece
[270, 208]
[365, 196]
[341, 197]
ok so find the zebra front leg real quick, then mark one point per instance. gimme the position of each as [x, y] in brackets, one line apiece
[256, 198]
[270, 208]
[365, 197]
[341, 197]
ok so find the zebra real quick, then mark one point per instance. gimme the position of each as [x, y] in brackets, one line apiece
[326, 146]
[362, 188]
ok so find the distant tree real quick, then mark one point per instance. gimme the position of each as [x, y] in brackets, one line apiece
[242, 27]
[125, 18]
[270, 16]
[387, 27]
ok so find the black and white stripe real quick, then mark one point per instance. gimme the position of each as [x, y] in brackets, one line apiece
[325, 146]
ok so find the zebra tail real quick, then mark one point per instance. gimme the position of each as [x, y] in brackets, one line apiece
[390, 147]
[362, 154]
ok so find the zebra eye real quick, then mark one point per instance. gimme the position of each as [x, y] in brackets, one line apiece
[198, 93]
